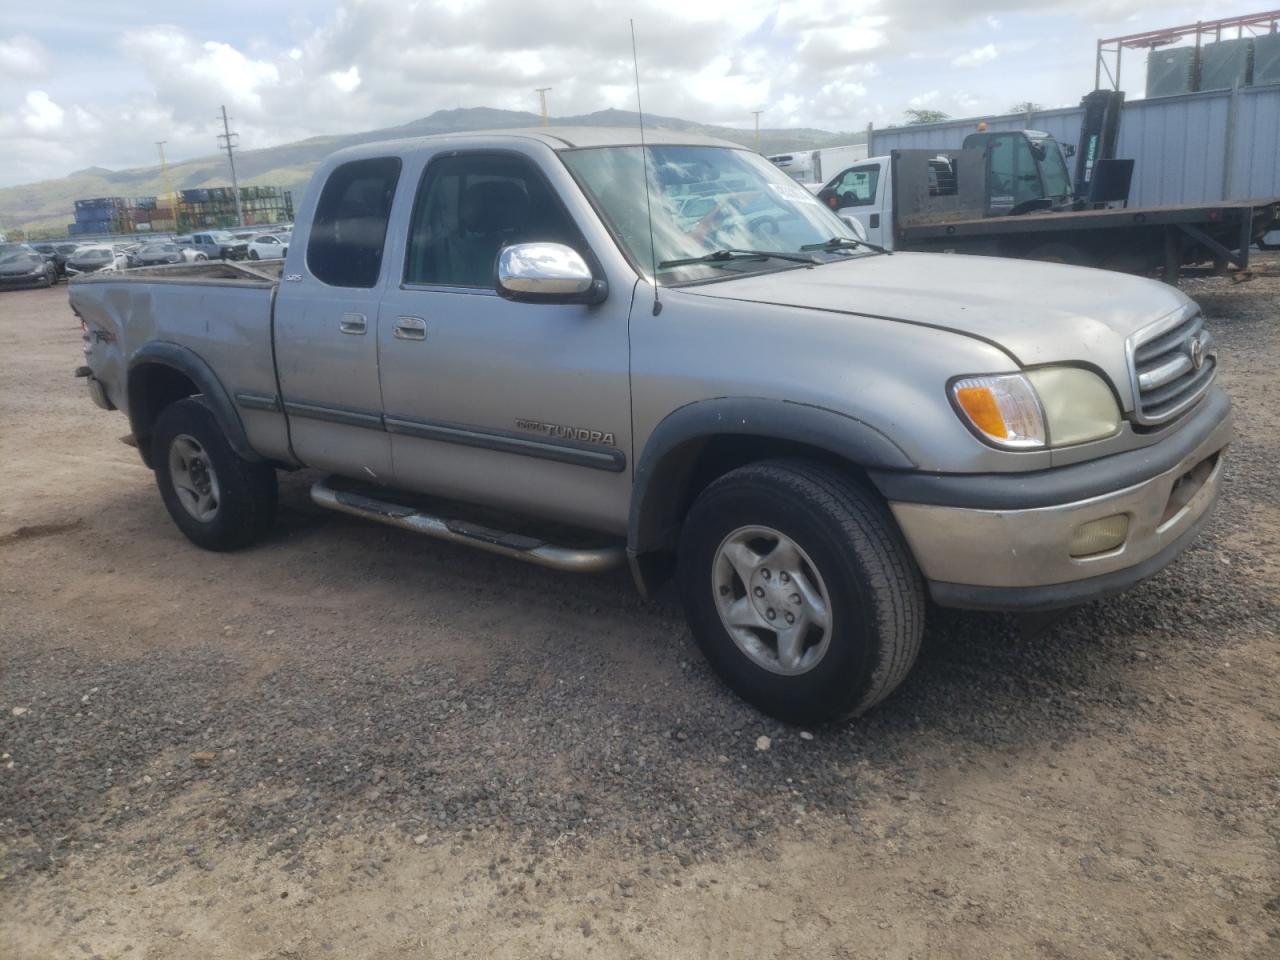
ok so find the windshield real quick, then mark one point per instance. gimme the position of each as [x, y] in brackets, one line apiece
[94, 253]
[704, 199]
[222, 238]
[17, 257]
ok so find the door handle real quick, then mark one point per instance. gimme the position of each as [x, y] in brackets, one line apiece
[353, 323]
[411, 328]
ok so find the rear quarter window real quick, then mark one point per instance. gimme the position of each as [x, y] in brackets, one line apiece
[349, 229]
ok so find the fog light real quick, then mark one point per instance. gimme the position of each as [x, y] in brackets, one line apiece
[1099, 536]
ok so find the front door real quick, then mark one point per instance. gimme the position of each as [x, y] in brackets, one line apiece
[326, 319]
[516, 405]
[856, 191]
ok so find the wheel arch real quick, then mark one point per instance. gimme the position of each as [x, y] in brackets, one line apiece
[701, 441]
[161, 373]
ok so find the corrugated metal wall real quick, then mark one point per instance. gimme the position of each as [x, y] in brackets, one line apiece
[1179, 144]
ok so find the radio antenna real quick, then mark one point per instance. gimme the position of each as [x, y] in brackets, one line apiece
[644, 156]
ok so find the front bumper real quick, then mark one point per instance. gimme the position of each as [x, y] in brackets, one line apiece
[983, 557]
[23, 280]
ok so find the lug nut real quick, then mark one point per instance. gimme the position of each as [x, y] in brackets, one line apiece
[795, 598]
[758, 591]
[791, 617]
[786, 577]
[770, 613]
[765, 573]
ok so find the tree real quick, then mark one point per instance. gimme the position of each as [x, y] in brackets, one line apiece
[1026, 106]
[925, 116]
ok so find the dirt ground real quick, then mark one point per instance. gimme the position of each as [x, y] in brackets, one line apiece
[352, 742]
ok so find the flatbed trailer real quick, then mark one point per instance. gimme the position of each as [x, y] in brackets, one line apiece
[1133, 239]
[1146, 240]
[949, 202]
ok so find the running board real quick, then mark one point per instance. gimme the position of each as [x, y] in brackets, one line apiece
[517, 545]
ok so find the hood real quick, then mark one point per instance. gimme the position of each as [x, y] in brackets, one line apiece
[21, 269]
[1036, 312]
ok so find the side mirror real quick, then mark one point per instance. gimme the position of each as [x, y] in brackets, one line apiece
[547, 273]
[854, 224]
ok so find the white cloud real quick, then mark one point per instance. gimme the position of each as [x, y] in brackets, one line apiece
[22, 56]
[346, 80]
[976, 56]
[40, 114]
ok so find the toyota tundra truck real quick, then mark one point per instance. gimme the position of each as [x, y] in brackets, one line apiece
[525, 342]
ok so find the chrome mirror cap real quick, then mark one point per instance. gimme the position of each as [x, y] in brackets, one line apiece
[547, 272]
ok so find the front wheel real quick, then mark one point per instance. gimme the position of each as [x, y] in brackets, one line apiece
[218, 499]
[800, 590]
[253, 254]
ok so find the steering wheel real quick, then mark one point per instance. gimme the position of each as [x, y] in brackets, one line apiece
[765, 224]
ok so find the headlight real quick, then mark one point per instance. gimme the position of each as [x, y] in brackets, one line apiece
[1047, 407]
[1078, 404]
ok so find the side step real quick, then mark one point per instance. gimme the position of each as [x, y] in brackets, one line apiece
[517, 545]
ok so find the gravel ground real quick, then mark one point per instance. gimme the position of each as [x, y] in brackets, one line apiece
[351, 741]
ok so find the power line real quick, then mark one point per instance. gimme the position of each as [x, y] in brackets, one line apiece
[542, 96]
[757, 116]
[229, 140]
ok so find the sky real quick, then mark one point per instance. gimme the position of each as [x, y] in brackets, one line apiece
[96, 83]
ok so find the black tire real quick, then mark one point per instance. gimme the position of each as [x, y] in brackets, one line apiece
[877, 599]
[246, 505]
[253, 254]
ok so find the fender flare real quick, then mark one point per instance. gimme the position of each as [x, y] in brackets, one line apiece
[672, 448]
[212, 394]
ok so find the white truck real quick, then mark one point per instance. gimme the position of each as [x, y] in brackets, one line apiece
[815, 167]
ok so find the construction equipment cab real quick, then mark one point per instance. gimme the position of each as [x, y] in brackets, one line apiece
[1025, 171]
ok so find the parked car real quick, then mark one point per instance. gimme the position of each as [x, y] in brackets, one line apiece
[58, 251]
[269, 246]
[20, 266]
[220, 245]
[154, 254]
[94, 259]
[816, 437]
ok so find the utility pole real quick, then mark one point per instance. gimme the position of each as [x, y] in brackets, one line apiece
[168, 184]
[757, 116]
[542, 96]
[228, 140]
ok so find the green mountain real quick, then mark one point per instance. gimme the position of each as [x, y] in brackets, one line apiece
[44, 208]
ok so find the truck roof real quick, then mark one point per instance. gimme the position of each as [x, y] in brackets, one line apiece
[557, 138]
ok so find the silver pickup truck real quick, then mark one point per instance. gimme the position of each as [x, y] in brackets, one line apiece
[506, 340]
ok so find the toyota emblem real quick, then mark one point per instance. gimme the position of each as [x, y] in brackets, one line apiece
[1197, 352]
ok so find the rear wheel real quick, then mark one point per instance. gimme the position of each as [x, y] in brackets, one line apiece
[800, 591]
[218, 499]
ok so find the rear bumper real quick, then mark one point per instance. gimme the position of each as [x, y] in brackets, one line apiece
[1019, 558]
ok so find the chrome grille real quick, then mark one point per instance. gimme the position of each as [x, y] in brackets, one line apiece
[1172, 362]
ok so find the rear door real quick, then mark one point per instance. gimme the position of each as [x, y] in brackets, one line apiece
[326, 319]
[517, 405]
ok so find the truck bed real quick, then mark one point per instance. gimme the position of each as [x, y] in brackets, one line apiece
[254, 273]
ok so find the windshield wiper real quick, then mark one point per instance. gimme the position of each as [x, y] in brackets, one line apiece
[841, 243]
[722, 256]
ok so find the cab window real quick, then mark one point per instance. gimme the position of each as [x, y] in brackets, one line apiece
[350, 224]
[857, 187]
[469, 207]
